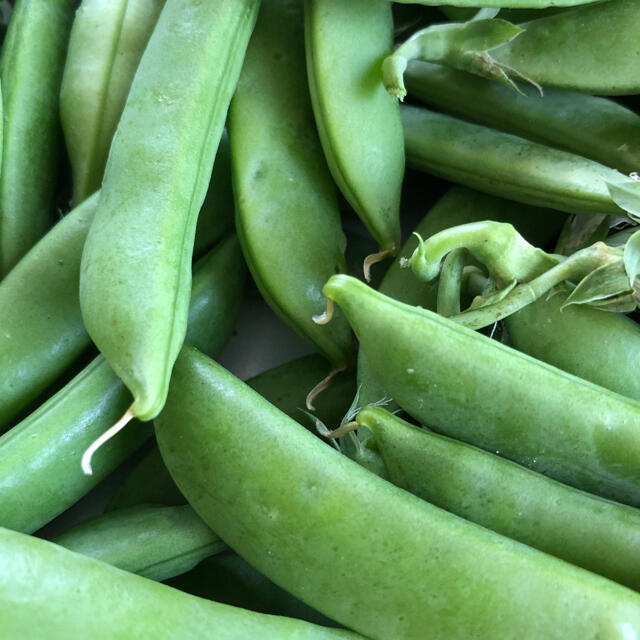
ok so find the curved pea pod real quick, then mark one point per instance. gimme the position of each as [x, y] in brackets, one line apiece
[135, 308]
[357, 547]
[596, 534]
[155, 542]
[599, 346]
[107, 41]
[33, 56]
[469, 387]
[285, 386]
[593, 127]
[458, 206]
[47, 591]
[40, 473]
[359, 126]
[513, 167]
[286, 209]
[577, 49]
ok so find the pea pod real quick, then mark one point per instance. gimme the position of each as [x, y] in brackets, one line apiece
[49, 592]
[107, 41]
[357, 548]
[135, 308]
[285, 386]
[513, 167]
[287, 214]
[593, 127]
[467, 386]
[40, 474]
[31, 65]
[515, 4]
[590, 532]
[154, 542]
[359, 126]
[575, 49]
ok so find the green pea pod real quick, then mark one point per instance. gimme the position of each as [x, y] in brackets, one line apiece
[107, 41]
[590, 532]
[515, 4]
[513, 167]
[33, 56]
[596, 128]
[359, 126]
[574, 49]
[40, 474]
[135, 307]
[285, 386]
[155, 542]
[477, 390]
[227, 578]
[47, 591]
[365, 553]
[42, 334]
[286, 215]
[458, 206]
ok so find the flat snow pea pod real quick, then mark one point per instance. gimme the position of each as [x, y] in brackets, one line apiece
[135, 307]
[469, 387]
[155, 542]
[360, 127]
[107, 41]
[596, 534]
[33, 56]
[47, 591]
[458, 206]
[593, 127]
[592, 49]
[40, 474]
[285, 386]
[599, 346]
[353, 546]
[513, 167]
[286, 208]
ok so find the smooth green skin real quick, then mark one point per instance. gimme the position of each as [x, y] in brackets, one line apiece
[135, 308]
[511, 167]
[33, 56]
[40, 473]
[42, 334]
[358, 122]
[353, 546]
[107, 40]
[228, 579]
[155, 542]
[286, 208]
[458, 206]
[513, 4]
[592, 49]
[596, 345]
[47, 591]
[596, 128]
[477, 390]
[286, 387]
[596, 534]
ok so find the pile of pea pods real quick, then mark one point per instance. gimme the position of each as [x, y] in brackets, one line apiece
[440, 201]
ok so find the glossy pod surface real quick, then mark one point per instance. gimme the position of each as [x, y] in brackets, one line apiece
[358, 122]
[33, 56]
[135, 308]
[286, 207]
[49, 592]
[40, 473]
[155, 542]
[107, 40]
[590, 532]
[593, 127]
[361, 551]
[511, 167]
[467, 386]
